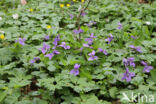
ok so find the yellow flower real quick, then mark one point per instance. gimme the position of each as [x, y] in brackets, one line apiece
[31, 10]
[48, 26]
[61, 5]
[74, 0]
[2, 37]
[68, 5]
[82, 1]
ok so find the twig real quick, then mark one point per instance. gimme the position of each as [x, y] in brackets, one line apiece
[77, 24]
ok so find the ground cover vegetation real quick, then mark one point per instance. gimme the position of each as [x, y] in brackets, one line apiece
[77, 51]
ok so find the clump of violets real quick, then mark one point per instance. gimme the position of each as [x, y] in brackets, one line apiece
[138, 49]
[55, 52]
[45, 48]
[128, 75]
[129, 62]
[119, 26]
[146, 67]
[89, 40]
[102, 51]
[35, 59]
[78, 31]
[92, 56]
[46, 37]
[110, 38]
[63, 45]
[21, 41]
[75, 71]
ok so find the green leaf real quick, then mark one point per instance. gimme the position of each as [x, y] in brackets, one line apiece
[113, 92]
[71, 26]
[2, 95]
[153, 74]
[146, 32]
[5, 56]
[51, 68]
[85, 73]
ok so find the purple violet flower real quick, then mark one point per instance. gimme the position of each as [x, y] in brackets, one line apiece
[91, 23]
[128, 75]
[72, 3]
[34, 60]
[86, 45]
[110, 38]
[75, 71]
[132, 46]
[81, 48]
[100, 49]
[76, 66]
[103, 51]
[83, 14]
[138, 49]
[71, 16]
[119, 26]
[89, 40]
[146, 67]
[81, 31]
[129, 61]
[46, 37]
[45, 48]
[21, 41]
[56, 40]
[56, 52]
[133, 37]
[64, 45]
[125, 62]
[144, 63]
[92, 56]
[50, 55]
[78, 31]
[92, 35]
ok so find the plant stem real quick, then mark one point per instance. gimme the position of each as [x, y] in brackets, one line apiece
[77, 24]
